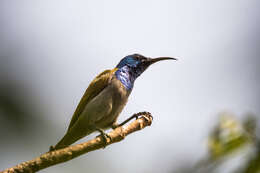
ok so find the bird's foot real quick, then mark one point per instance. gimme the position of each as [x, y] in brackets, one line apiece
[115, 125]
[104, 136]
[136, 116]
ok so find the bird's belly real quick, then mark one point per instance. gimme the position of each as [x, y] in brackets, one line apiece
[104, 109]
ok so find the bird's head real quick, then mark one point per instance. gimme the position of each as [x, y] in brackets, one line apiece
[137, 63]
[132, 66]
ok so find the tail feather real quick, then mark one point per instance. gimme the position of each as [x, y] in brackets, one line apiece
[69, 139]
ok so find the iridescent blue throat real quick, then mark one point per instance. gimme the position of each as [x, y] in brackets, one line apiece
[127, 76]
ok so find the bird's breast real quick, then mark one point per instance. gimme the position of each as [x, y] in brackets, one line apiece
[119, 95]
[105, 108]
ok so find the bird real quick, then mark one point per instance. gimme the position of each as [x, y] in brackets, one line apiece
[105, 98]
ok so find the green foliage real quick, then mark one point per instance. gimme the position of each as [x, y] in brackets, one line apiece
[228, 136]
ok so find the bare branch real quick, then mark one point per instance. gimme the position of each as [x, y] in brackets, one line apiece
[62, 155]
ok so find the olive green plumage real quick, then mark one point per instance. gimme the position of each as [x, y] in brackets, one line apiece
[94, 88]
[99, 108]
[105, 98]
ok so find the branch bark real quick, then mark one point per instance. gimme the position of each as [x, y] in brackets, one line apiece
[62, 155]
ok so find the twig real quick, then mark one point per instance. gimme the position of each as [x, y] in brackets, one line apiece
[62, 155]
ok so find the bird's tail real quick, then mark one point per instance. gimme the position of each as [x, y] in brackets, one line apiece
[64, 142]
[69, 139]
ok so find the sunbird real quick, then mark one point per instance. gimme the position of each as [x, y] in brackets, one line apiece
[105, 98]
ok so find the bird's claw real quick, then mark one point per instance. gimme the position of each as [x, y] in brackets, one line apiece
[104, 136]
[136, 116]
[144, 113]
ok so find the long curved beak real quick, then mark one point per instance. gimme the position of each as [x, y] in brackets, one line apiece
[154, 60]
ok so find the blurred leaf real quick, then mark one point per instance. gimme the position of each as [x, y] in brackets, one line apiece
[228, 136]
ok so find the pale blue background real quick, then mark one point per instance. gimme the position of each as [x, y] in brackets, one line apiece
[53, 49]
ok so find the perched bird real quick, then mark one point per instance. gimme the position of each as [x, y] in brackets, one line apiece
[105, 98]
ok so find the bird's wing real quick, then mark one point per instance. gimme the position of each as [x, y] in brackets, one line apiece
[95, 87]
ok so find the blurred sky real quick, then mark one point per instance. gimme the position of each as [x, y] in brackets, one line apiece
[52, 49]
